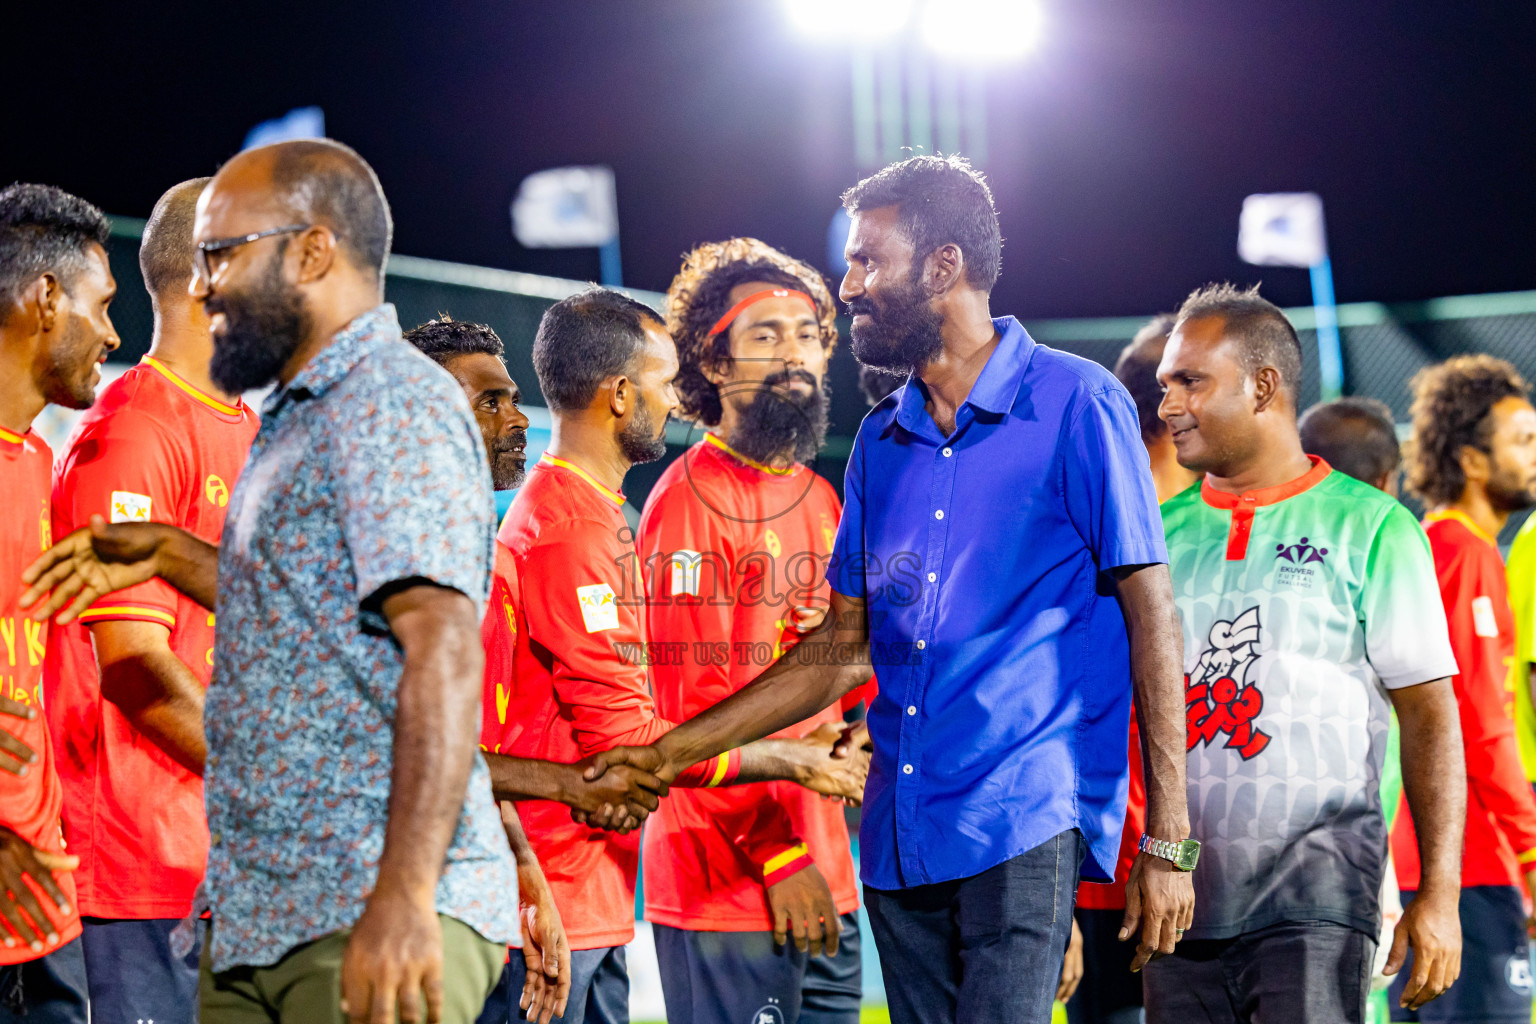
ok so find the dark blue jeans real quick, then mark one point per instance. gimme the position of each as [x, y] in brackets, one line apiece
[48, 990]
[981, 949]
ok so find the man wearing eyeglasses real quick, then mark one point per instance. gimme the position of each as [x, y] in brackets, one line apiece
[357, 865]
[125, 681]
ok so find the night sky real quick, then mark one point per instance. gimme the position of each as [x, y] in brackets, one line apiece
[1120, 151]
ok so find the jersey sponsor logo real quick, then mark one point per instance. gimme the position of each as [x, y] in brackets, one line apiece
[128, 507]
[216, 491]
[45, 527]
[1484, 622]
[1219, 698]
[1298, 559]
[599, 607]
[685, 572]
[771, 539]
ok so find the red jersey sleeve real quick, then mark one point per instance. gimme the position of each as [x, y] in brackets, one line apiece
[128, 469]
[583, 605]
[1471, 579]
[689, 554]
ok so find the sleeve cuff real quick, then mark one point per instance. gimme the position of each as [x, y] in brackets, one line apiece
[140, 613]
[1528, 860]
[786, 863]
[715, 772]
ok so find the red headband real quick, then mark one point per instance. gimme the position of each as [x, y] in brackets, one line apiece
[740, 307]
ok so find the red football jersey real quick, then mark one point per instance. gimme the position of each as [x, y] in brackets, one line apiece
[30, 805]
[1501, 811]
[581, 685]
[730, 548]
[152, 448]
[1111, 895]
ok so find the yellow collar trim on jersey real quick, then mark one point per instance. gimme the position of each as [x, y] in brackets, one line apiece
[733, 453]
[1462, 518]
[6, 435]
[201, 396]
[613, 496]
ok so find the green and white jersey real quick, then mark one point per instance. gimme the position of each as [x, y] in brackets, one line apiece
[1300, 603]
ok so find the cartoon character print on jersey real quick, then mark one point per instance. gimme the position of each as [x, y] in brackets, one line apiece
[1218, 697]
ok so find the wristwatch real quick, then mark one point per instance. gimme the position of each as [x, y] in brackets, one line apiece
[1182, 854]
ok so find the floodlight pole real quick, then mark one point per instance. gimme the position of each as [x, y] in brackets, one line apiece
[1330, 354]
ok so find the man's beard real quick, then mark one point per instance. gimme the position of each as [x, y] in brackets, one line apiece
[263, 328]
[640, 441]
[902, 332]
[1507, 495]
[68, 379]
[508, 463]
[777, 423]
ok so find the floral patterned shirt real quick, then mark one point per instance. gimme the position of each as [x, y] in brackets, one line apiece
[368, 470]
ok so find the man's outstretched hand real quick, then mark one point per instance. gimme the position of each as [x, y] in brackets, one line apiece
[803, 908]
[837, 761]
[90, 563]
[1160, 902]
[1431, 926]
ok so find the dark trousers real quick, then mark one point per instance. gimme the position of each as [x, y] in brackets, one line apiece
[745, 976]
[1495, 982]
[1297, 972]
[48, 990]
[982, 949]
[134, 976]
[1109, 992]
[599, 990]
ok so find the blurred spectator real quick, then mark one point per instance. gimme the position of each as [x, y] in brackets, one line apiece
[1137, 370]
[1355, 436]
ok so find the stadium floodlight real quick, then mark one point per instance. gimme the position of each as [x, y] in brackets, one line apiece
[982, 29]
[853, 20]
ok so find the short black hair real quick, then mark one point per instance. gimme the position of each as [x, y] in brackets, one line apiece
[165, 251]
[939, 200]
[445, 338]
[1452, 409]
[1137, 370]
[585, 339]
[1265, 336]
[325, 182]
[44, 230]
[1356, 436]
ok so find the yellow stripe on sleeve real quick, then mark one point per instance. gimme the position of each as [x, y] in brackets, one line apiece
[787, 857]
[119, 611]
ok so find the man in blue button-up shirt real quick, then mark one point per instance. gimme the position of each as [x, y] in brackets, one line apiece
[1000, 564]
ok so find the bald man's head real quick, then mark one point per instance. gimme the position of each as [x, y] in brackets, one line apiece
[165, 252]
[321, 181]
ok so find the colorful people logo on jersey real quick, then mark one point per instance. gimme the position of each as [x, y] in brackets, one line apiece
[1218, 697]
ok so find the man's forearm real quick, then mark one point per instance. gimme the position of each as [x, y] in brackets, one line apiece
[163, 700]
[523, 778]
[517, 839]
[1434, 779]
[436, 720]
[816, 672]
[191, 566]
[1157, 673]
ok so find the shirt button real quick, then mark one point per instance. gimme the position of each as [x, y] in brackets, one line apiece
[939, 514]
[948, 452]
[932, 576]
[921, 644]
[912, 709]
[906, 769]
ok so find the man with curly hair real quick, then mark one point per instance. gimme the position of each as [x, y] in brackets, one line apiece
[731, 873]
[1473, 463]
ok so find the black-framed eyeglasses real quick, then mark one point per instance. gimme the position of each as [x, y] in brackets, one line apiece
[207, 250]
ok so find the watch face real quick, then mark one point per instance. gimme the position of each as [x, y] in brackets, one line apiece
[1189, 853]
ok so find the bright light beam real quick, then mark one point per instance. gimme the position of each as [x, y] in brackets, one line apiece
[852, 20]
[982, 29]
